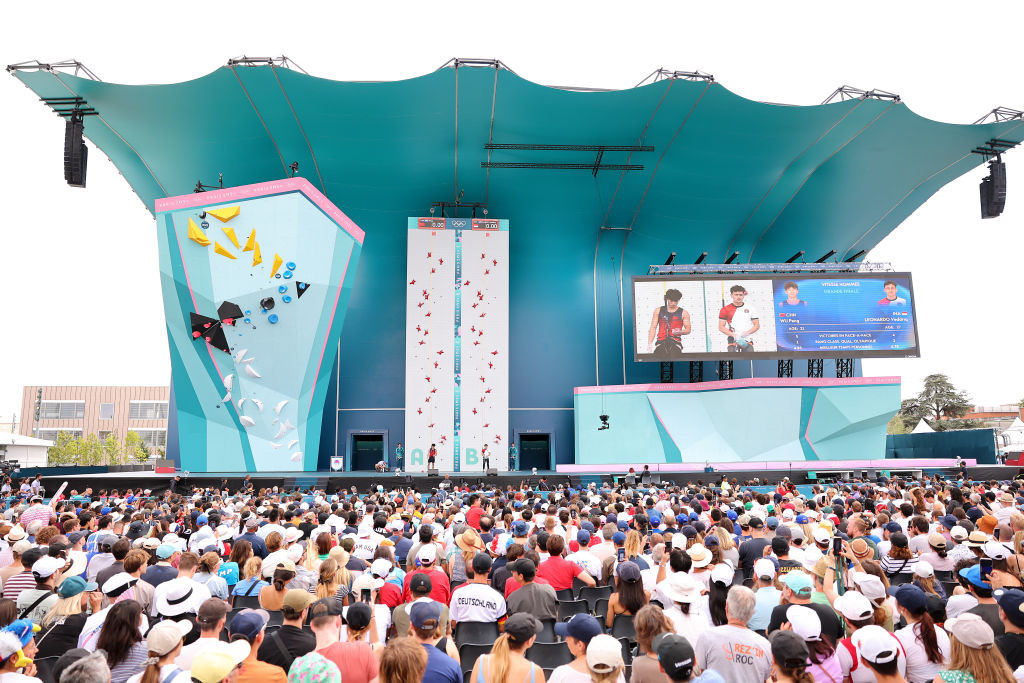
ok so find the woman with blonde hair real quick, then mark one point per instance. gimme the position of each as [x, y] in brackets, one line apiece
[252, 582]
[725, 541]
[330, 584]
[507, 660]
[341, 556]
[973, 656]
[66, 619]
[207, 575]
[634, 546]
[403, 661]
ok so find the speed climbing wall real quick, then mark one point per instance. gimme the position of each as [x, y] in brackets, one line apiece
[256, 281]
[457, 343]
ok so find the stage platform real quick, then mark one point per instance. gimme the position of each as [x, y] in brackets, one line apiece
[576, 475]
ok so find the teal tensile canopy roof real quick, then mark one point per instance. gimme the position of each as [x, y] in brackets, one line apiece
[723, 174]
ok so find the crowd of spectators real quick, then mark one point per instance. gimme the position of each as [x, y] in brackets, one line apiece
[889, 580]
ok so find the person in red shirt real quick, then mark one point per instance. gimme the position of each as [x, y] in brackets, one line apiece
[475, 512]
[558, 571]
[440, 586]
[390, 594]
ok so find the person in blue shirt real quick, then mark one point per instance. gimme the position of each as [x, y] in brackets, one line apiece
[259, 548]
[424, 619]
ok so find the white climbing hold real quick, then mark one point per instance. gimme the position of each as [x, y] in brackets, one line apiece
[252, 373]
[229, 382]
[279, 406]
[247, 421]
[296, 456]
[240, 355]
[275, 446]
[287, 426]
[259, 404]
[227, 398]
[281, 432]
[240, 402]
[294, 441]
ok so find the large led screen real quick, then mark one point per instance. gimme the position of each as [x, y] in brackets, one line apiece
[836, 315]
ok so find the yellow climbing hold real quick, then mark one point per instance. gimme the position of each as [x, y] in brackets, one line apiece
[230, 232]
[197, 235]
[256, 257]
[251, 242]
[225, 214]
[277, 264]
[222, 251]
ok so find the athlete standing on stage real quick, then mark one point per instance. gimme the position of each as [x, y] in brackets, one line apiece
[486, 456]
[399, 455]
[513, 457]
[431, 456]
[738, 321]
[668, 324]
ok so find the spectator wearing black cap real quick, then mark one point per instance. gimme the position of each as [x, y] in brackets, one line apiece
[507, 660]
[577, 633]
[420, 587]
[789, 658]
[536, 598]
[675, 657]
[354, 655]
[1011, 613]
[899, 559]
[753, 549]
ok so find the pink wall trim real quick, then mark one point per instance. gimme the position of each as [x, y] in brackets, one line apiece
[747, 383]
[242, 192]
[803, 465]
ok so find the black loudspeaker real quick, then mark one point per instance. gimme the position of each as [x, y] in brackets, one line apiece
[76, 154]
[993, 190]
[492, 472]
[431, 473]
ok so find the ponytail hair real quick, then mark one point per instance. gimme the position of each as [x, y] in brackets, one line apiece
[281, 578]
[924, 631]
[500, 661]
[151, 674]
[799, 674]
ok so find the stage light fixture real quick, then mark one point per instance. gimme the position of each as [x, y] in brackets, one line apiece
[856, 256]
[794, 257]
[732, 257]
[670, 259]
[830, 254]
[993, 189]
[700, 259]
[76, 154]
[604, 423]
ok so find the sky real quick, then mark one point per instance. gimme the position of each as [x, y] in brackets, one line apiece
[80, 277]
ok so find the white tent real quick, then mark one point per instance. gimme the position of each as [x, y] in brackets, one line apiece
[922, 428]
[1012, 438]
[28, 451]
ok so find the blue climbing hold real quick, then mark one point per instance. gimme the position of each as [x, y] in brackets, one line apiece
[272, 318]
[278, 276]
[248, 312]
[286, 299]
[287, 275]
[290, 265]
[282, 289]
[248, 320]
[205, 224]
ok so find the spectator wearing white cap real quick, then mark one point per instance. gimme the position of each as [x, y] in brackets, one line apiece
[822, 662]
[163, 644]
[34, 603]
[879, 655]
[425, 563]
[859, 614]
[766, 596]
[973, 656]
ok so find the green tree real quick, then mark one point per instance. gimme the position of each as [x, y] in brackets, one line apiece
[938, 401]
[63, 450]
[134, 448]
[90, 451]
[896, 425]
[112, 450]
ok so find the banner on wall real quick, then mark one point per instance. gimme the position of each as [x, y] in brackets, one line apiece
[456, 372]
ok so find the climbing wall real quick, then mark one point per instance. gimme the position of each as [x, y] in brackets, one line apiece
[456, 379]
[255, 281]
